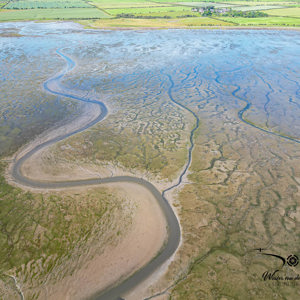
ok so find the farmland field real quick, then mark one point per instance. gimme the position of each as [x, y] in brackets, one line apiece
[262, 2]
[174, 15]
[269, 21]
[24, 4]
[174, 10]
[149, 10]
[207, 3]
[126, 3]
[159, 23]
[3, 2]
[285, 12]
[256, 7]
[52, 14]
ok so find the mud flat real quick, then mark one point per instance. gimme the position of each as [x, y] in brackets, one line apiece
[144, 239]
[234, 96]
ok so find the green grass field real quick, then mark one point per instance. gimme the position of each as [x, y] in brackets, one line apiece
[148, 10]
[281, 13]
[255, 3]
[205, 3]
[258, 2]
[27, 4]
[256, 7]
[285, 12]
[125, 3]
[168, 14]
[52, 14]
[269, 21]
[2, 3]
[158, 23]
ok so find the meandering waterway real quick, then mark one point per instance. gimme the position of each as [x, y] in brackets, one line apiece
[173, 225]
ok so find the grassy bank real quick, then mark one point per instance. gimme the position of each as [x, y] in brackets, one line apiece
[44, 236]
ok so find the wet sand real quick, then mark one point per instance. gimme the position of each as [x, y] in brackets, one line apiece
[143, 240]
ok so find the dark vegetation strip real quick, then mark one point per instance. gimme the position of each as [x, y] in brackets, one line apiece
[190, 150]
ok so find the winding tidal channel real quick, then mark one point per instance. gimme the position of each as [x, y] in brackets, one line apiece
[113, 292]
[119, 290]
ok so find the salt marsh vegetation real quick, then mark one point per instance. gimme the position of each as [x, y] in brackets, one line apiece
[241, 189]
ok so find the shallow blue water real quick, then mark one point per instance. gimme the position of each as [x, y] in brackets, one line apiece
[253, 71]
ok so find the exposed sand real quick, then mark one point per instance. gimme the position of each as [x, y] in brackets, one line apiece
[144, 239]
[44, 166]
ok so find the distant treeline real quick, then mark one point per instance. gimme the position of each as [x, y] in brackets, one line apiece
[245, 14]
[212, 11]
[132, 16]
[207, 13]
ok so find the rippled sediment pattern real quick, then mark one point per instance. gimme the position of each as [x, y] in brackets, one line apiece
[257, 67]
[253, 75]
